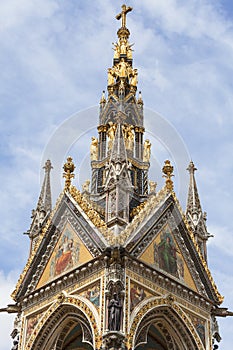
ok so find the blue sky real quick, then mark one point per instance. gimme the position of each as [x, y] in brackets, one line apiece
[54, 57]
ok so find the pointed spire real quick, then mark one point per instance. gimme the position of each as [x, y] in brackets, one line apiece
[120, 165]
[194, 214]
[118, 184]
[45, 199]
[45, 194]
[118, 153]
[193, 201]
[122, 78]
[43, 208]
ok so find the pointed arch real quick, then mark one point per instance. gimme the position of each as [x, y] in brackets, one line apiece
[169, 321]
[59, 320]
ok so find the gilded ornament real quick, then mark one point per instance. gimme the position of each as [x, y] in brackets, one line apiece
[168, 173]
[68, 172]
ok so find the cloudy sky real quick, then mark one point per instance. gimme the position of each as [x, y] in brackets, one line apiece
[54, 56]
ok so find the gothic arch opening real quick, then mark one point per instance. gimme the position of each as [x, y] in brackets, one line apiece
[155, 340]
[71, 338]
[66, 329]
[163, 329]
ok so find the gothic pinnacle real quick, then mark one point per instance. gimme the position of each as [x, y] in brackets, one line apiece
[45, 194]
[193, 201]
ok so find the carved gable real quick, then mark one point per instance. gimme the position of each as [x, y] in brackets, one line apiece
[160, 236]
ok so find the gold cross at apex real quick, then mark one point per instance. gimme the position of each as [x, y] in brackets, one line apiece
[123, 13]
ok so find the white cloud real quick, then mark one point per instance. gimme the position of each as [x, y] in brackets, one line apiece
[187, 18]
[15, 13]
[223, 239]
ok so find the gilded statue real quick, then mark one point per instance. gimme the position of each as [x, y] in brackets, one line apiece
[134, 79]
[129, 137]
[111, 79]
[146, 151]
[117, 50]
[111, 134]
[123, 72]
[123, 47]
[94, 148]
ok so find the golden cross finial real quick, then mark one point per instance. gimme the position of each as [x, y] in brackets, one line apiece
[68, 170]
[123, 13]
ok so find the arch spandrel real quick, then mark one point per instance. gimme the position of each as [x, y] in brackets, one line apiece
[169, 319]
[65, 312]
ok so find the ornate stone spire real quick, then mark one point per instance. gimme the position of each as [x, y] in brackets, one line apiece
[44, 206]
[193, 201]
[122, 77]
[121, 130]
[118, 152]
[194, 214]
[46, 187]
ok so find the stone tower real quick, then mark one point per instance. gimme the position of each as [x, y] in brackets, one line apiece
[117, 266]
